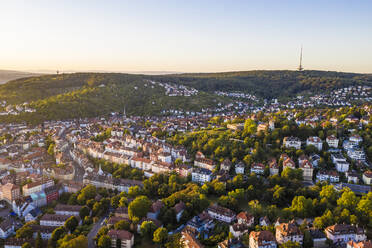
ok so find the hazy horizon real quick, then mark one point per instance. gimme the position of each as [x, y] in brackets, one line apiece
[181, 37]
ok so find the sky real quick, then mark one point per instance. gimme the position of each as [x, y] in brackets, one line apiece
[185, 36]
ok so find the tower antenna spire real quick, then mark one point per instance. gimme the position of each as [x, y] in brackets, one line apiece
[300, 68]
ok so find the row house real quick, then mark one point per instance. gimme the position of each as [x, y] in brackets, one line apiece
[141, 163]
[53, 220]
[183, 170]
[221, 213]
[343, 233]
[45, 231]
[205, 163]
[37, 186]
[119, 184]
[72, 210]
[161, 167]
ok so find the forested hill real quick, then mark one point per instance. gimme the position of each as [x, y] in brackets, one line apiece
[271, 84]
[90, 94]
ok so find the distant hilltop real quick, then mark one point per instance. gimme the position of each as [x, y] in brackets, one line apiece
[8, 75]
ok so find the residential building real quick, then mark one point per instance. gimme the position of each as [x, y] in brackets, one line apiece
[307, 169]
[274, 167]
[205, 163]
[17, 243]
[367, 177]
[332, 141]
[318, 237]
[72, 210]
[262, 239]
[330, 176]
[33, 214]
[126, 238]
[221, 213]
[361, 244]
[292, 142]
[189, 240]
[6, 228]
[356, 154]
[53, 220]
[288, 232]
[179, 208]
[258, 168]
[315, 141]
[154, 211]
[201, 175]
[239, 168]
[226, 165]
[343, 233]
[352, 177]
[340, 162]
[10, 192]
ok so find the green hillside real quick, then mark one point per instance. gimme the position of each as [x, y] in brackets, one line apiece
[90, 94]
[271, 84]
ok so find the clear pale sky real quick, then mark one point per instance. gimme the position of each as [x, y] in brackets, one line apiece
[185, 36]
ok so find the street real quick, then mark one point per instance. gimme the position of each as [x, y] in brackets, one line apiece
[93, 232]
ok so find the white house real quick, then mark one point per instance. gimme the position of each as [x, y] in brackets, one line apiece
[201, 175]
[356, 154]
[342, 233]
[258, 168]
[239, 168]
[332, 141]
[292, 142]
[221, 213]
[53, 220]
[367, 177]
[340, 162]
[315, 141]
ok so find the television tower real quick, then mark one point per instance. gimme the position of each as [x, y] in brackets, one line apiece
[300, 68]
